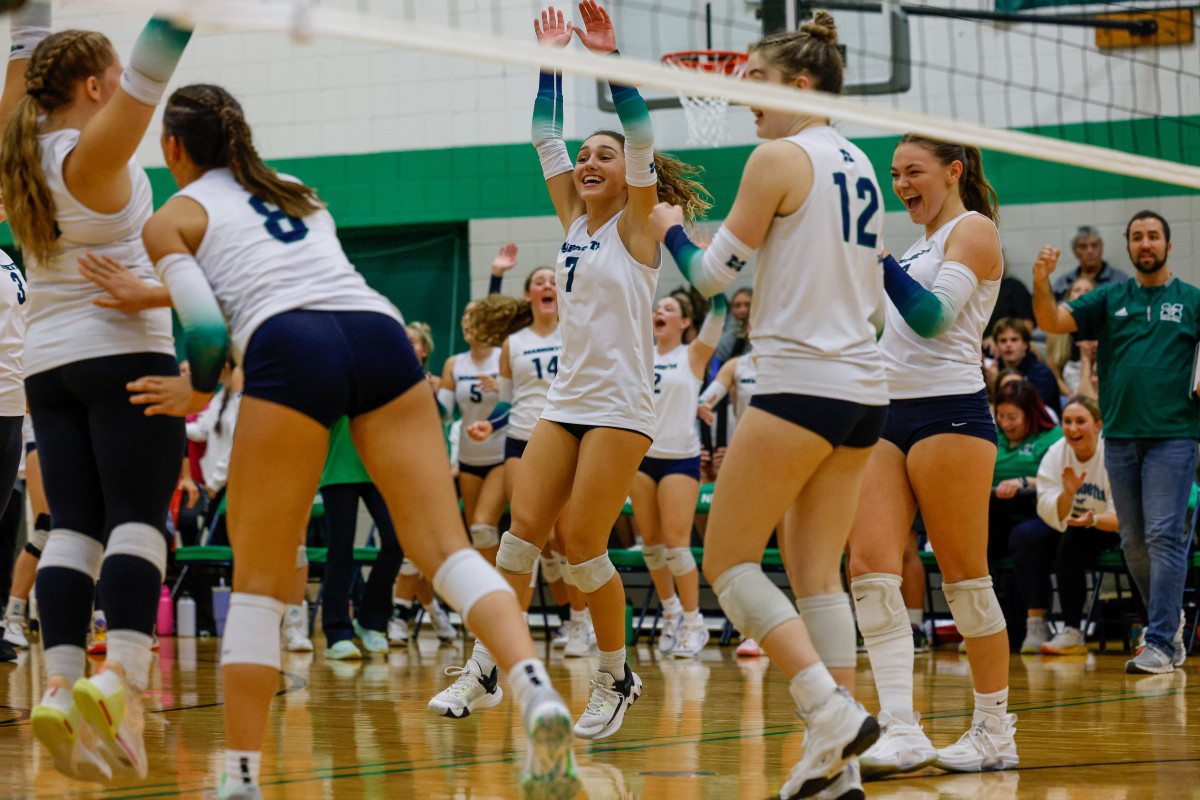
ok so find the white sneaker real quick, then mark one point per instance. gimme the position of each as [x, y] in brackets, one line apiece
[440, 620]
[14, 633]
[57, 724]
[902, 747]
[583, 640]
[372, 641]
[982, 749]
[397, 631]
[237, 791]
[114, 711]
[1180, 653]
[847, 786]
[668, 634]
[563, 635]
[691, 642]
[834, 733]
[1150, 661]
[344, 650]
[549, 771]
[606, 708]
[470, 691]
[1068, 641]
[1037, 633]
[294, 633]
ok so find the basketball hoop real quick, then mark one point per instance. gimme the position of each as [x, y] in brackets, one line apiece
[706, 115]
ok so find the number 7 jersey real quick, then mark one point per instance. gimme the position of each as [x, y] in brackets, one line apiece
[260, 262]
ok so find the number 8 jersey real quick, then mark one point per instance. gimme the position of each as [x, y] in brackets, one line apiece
[261, 262]
[605, 305]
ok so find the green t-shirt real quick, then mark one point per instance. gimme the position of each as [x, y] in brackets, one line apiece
[1147, 341]
[1022, 460]
[342, 464]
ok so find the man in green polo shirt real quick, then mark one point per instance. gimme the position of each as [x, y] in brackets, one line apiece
[1147, 328]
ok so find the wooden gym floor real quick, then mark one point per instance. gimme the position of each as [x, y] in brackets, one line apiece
[719, 727]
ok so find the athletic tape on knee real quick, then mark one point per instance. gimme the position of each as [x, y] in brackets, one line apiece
[37, 538]
[752, 601]
[974, 606]
[567, 575]
[72, 550]
[408, 569]
[551, 569]
[301, 557]
[141, 541]
[252, 630]
[485, 536]
[593, 573]
[131, 649]
[655, 555]
[830, 625]
[680, 560]
[882, 616]
[464, 578]
[516, 556]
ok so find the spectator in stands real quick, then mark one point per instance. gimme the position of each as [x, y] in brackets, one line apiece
[1062, 351]
[1147, 331]
[1089, 249]
[1013, 351]
[735, 340]
[1076, 522]
[1013, 301]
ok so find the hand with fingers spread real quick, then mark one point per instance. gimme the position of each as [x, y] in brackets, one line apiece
[597, 33]
[189, 488]
[505, 260]
[702, 237]
[1072, 481]
[126, 291]
[553, 30]
[167, 394]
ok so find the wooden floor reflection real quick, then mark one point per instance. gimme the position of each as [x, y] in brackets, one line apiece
[715, 728]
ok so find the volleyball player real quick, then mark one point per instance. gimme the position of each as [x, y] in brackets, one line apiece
[316, 344]
[667, 485]
[808, 198]
[70, 182]
[938, 453]
[25, 570]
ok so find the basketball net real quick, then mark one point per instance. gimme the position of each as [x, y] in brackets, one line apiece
[706, 115]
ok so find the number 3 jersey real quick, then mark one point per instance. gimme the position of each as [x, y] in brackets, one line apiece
[818, 280]
[605, 306]
[12, 335]
[533, 362]
[261, 262]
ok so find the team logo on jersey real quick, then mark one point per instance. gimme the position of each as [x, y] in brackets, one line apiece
[1171, 312]
[735, 263]
[849, 159]
[1121, 312]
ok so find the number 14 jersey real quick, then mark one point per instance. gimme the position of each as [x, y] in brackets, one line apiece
[533, 362]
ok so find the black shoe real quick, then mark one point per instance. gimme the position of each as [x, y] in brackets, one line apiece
[7, 653]
[920, 640]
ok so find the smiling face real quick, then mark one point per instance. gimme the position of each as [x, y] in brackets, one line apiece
[772, 124]
[1080, 430]
[1012, 347]
[542, 294]
[922, 182]
[669, 322]
[1148, 245]
[600, 168]
[1011, 420]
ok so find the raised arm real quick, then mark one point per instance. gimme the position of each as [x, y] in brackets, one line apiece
[1051, 317]
[557, 168]
[29, 25]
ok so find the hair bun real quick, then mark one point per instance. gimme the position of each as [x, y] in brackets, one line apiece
[822, 27]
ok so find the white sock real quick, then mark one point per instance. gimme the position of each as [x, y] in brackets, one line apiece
[672, 607]
[526, 678]
[692, 619]
[990, 709]
[481, 656]
[613, 662]
[16, 608]
[131, 649]
[811, 687]
[579, 615]
[241, 769]
[892, 665]
[916, 616]
[400, 601]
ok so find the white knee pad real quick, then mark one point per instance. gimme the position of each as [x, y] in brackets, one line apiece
[484, 536]
[72, 550]
[141, 541]
[752, 602]
[464, 578]
[680, 560]
[567, 576]
[408, 569]
[551, 569]
[974, 606]
[830, 626]
[252, 630]
[301, 557]
[516, 556]
[594, 573]
[882, 616]
[655, 555]
[37, 539]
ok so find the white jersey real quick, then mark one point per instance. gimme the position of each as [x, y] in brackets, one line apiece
[744, 378]
[676, 393]
[1094, 495]
[533, 362]
[818, 281]
[476, 405]
[261, 263]
[13, 298]
[947, 364]
[605, 305]
[64, 325]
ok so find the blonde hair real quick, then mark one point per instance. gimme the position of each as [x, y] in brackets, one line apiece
[423, 332]
[57, 65]
[496, 317]
[678, 182]
[811, 51]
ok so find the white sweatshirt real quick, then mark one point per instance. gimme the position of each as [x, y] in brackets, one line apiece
[1095, 494]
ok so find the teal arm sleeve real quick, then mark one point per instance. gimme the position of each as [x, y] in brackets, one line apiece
[155, 54]
[639, 135]
[499, 415]
[205, 333]
[929, 313]
[711, 270]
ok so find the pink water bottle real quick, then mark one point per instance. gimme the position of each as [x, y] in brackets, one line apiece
[166, 613]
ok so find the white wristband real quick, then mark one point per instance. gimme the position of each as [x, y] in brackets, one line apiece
[555, 158]
[715, 392]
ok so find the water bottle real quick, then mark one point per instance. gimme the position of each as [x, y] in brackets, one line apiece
[220, 600]
[185, 611]
[166, 613]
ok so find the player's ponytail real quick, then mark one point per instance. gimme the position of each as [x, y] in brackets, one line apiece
[977, 194]
[213, 130]
[496, 317]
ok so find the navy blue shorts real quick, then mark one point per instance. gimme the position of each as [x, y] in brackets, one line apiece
[839, 422]
[514, 448]
[479, 472]
[659, 468]
[910, 421]
[579, 430]
[330, 364]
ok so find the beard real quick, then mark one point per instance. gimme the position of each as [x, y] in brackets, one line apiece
[1149, 269]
